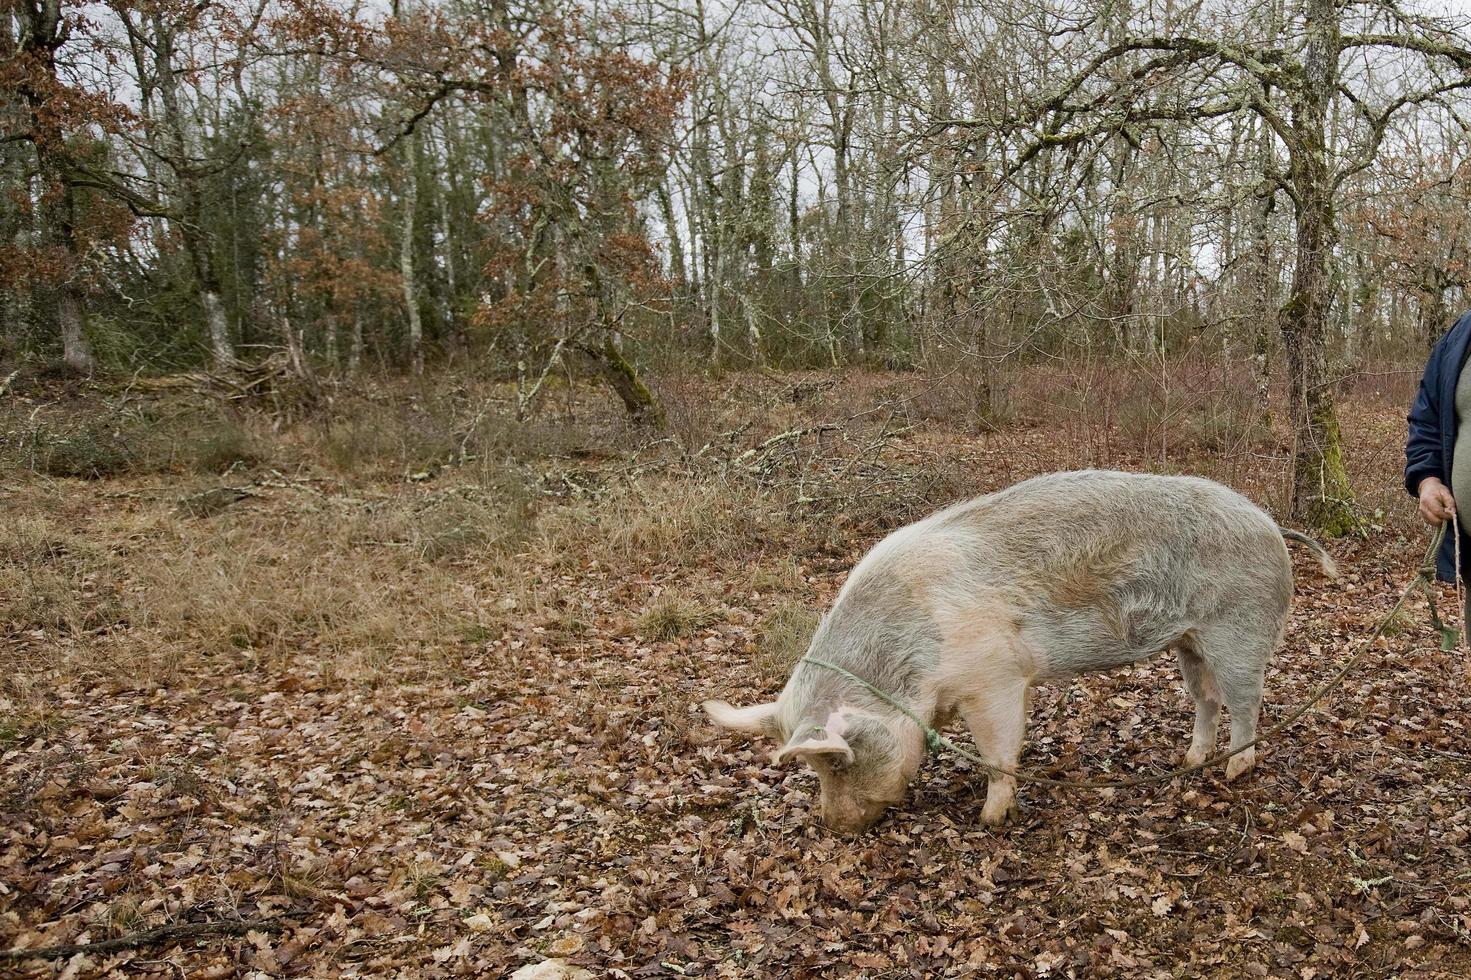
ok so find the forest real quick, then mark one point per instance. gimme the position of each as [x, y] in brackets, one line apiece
[412, 410]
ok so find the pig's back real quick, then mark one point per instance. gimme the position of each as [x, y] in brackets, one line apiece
[1083, 512]
[1106, 567]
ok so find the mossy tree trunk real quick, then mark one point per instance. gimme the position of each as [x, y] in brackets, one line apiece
[622, 376]
[1321, 497]
[640, 402]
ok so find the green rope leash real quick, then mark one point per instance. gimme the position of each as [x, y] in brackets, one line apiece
[934, 741]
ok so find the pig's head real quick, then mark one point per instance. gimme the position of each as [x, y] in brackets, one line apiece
[863, 750]
[863, 760]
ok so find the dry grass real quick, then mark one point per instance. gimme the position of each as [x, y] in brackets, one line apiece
[138, 592]
[411, 541]
[783, 637]
[101, 441]
[410, 527]
[53, 578]
[671, 617]
[670, 523]
[21, 722]
[781, 575]
[123, 915]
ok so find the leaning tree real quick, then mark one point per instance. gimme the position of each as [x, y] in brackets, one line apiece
[1328, 79]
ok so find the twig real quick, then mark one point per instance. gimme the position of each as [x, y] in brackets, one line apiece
[142, 493]
[186, 930]
[785, 436]
[1447, 755]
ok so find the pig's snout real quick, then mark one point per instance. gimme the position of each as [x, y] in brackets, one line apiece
[851, 816]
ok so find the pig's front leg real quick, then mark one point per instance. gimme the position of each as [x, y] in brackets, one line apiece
[997, 718]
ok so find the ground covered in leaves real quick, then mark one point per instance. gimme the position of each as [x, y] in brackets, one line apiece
[421, 699]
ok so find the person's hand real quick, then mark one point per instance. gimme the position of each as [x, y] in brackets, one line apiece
[1436, 503]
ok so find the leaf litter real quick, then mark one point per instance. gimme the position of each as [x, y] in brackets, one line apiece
[544, 788]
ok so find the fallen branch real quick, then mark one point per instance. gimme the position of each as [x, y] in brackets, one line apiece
[186, 930]
[1447, 755]
[214, 500]
[787, 436]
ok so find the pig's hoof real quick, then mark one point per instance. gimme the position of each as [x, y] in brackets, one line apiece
[1195, 757]
[1240, 764]
[997, 816]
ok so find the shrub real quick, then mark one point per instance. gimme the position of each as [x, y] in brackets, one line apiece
[92, 451]
[670, 617]
[971, 396]
[378, 440]
[100, 444]
[216, 446]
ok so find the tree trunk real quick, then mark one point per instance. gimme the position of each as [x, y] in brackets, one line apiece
[715, 282]
[409, 203]
[219, 326]
[671, 230]
[329, 342]
[198, 242]
[753, 329]
[355, 352]
[41, 33]
[58, 231]
[643, 408]
[75, 350]
[1261, 284]
[1432, 309]
[1321, 497]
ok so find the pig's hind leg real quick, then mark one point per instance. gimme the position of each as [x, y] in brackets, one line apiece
[1236, 655]
[998, 721]
[1201, 684]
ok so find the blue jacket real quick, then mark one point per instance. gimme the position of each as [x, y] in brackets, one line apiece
[1432, 438]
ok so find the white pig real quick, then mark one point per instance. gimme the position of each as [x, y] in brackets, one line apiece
[1061, 575]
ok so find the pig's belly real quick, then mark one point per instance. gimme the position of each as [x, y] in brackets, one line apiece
[1087, 641]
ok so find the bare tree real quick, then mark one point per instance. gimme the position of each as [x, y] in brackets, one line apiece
[45, 99]
[157, 33]
[1199, 73]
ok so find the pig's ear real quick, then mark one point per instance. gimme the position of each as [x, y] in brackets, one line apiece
[759, 719]
[812, 742]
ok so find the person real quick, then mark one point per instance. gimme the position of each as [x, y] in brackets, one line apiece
[1438, 449]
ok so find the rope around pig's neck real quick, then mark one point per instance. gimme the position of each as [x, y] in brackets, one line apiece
[935, 741]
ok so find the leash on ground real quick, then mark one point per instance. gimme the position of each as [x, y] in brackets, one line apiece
[1425, 576]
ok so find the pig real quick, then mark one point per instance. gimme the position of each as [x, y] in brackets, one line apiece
[1061, 575]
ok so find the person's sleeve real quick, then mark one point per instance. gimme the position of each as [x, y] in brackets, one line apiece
[1423, 457]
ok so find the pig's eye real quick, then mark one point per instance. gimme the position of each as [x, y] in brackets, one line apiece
[839, 764]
